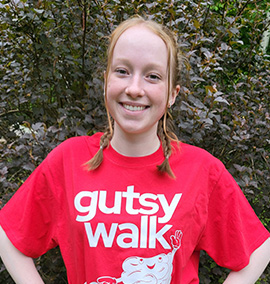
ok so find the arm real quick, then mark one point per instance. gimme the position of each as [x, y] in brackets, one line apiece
[259, 259]
[21, 268]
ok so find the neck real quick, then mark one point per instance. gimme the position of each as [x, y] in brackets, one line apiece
[134, 145]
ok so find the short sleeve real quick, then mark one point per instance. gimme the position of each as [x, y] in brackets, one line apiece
[233, 231]
[29, 218]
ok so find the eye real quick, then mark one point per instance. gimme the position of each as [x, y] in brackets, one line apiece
[154, 77]
[121, 71]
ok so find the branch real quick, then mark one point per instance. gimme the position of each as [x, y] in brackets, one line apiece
[234, 21]
[105, 16]
[206, 16]
[84, 28]
[9, 112]
[28, 113]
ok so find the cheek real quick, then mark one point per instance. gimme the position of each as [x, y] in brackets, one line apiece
[111, 91]
[159, 95]
[114, 89]
[112, 94]
[160, 104]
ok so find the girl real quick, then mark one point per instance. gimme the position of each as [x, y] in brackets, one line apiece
[134, 205]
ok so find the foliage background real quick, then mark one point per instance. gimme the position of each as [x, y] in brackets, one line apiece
[53, 55]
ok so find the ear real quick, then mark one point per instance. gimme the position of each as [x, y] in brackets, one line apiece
[174, 94]
[104, 74]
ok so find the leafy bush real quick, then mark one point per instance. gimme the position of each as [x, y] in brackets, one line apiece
[52, 61]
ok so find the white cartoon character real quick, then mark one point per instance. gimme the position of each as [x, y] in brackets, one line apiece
[154, 270]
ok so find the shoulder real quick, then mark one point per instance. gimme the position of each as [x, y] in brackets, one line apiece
[196, 161]
[80, 141]
[76, 147]
[195, 154]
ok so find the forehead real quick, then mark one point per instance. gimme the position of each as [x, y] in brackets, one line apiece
[141, 40]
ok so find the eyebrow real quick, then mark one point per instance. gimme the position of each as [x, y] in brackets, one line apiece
[149, 66]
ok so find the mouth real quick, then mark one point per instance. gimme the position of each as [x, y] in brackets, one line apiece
[133, 107]
[151, 266]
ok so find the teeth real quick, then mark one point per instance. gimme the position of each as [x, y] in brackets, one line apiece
[133, 108]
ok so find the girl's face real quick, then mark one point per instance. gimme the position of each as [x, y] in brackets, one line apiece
[138, 82]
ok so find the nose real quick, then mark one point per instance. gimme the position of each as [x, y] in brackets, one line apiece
[135, 87]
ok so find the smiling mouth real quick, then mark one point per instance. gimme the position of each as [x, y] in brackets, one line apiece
[134, 108]
[151, 266]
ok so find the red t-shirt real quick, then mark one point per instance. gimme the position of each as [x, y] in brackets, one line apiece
[125, 222]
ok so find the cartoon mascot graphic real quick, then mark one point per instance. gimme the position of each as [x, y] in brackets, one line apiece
[154, 270]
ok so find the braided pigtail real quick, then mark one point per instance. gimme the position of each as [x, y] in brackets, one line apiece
[95, 162]
[166, 146]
